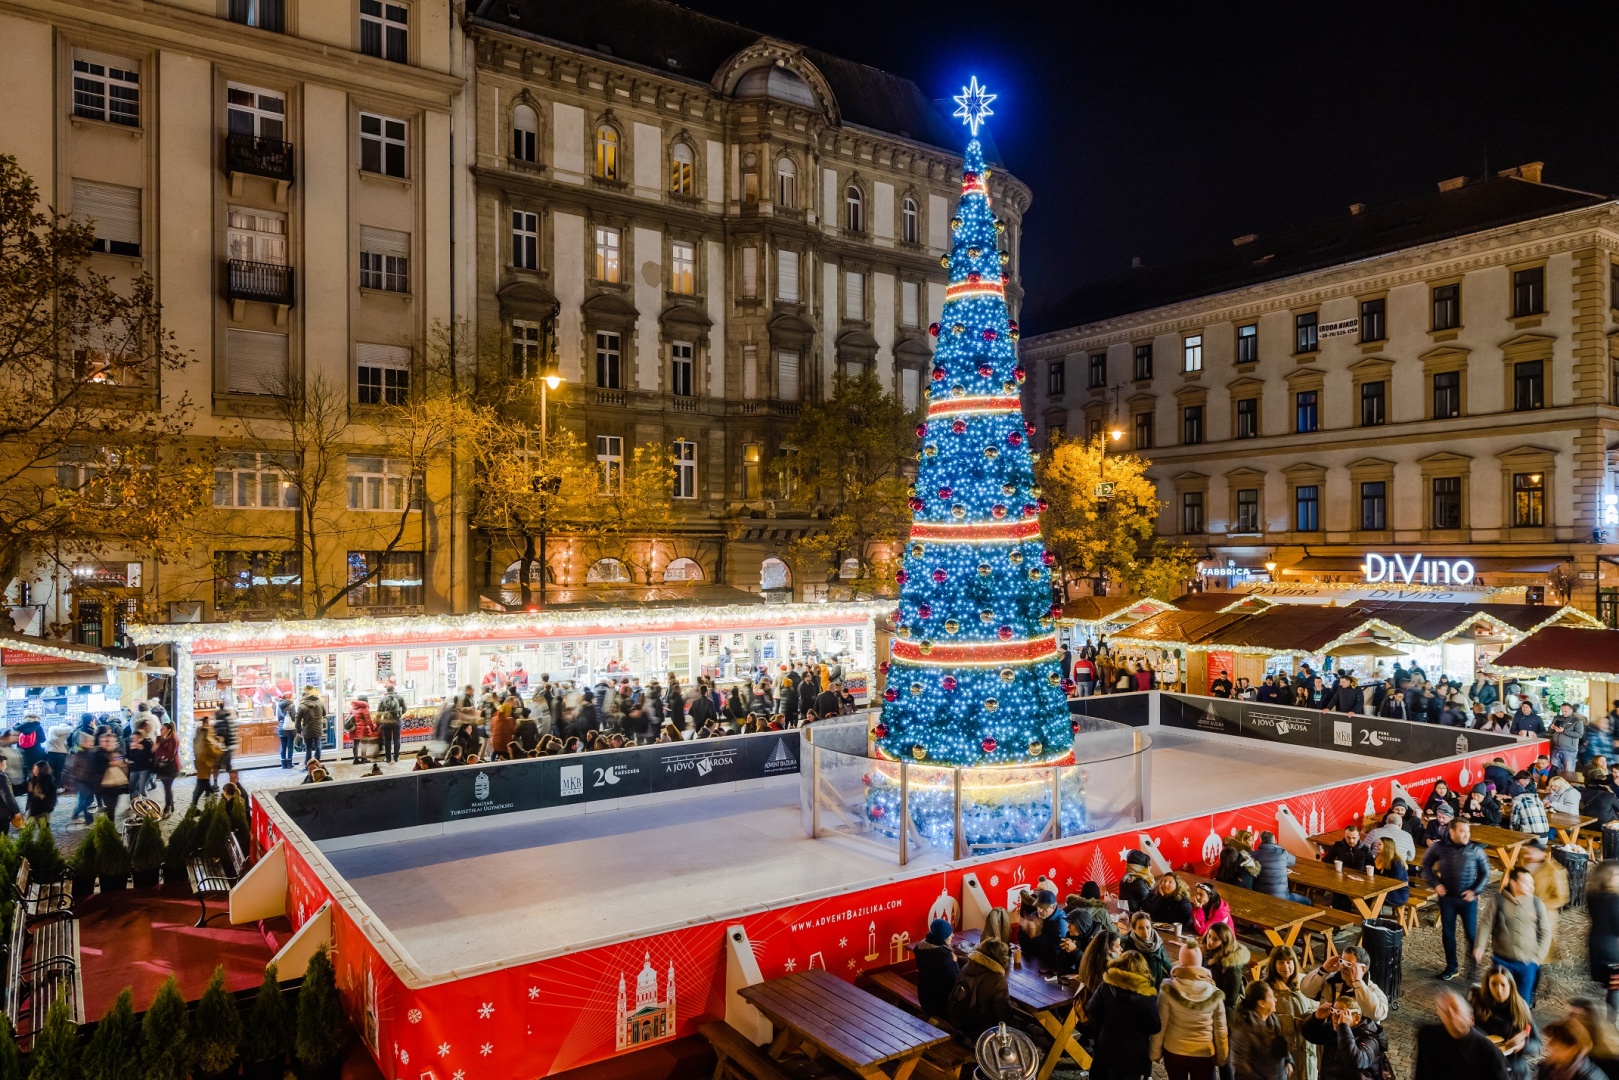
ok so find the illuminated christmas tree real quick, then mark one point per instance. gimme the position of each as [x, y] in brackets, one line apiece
[974, 677]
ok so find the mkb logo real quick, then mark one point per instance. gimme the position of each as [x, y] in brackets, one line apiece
[573, 780]
[480, 787]
[781, 759]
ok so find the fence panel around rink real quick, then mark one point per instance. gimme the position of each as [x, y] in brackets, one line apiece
[442, 796]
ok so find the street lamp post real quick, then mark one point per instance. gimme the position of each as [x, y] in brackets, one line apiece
[549, 485]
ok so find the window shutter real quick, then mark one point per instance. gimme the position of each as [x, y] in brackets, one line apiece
[114, 209]
[787, 376]
[395, 357]
[854, 296]
[106, 60]
[910, 387]
[910, 294]
[255, 362]
[787, 275]
[750, 372]
[750, 271]
[384, 241]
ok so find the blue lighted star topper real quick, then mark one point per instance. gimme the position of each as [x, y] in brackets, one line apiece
[974, 101]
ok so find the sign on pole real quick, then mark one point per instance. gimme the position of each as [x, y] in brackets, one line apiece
[1104, 490]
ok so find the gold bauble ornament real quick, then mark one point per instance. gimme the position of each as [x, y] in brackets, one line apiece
[919, 752]
[984, 569]
[916, 551]
[952, 625]
[958, 512]
[990, 704]
[1015, 558]
[924, 646]
[1007, 674]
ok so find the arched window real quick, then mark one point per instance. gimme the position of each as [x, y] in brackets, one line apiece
[525, 133]
[908, 221]
[854, 209]
[683, 570]
[786, 183]
[774, 576]
[682, 170]
[607, 572]
[607, 165]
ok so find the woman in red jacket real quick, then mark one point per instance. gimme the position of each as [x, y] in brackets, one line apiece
[362, 729]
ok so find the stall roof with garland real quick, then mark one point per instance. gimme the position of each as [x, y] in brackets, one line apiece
[1103, 609]
[65, 651]
[1583, 652]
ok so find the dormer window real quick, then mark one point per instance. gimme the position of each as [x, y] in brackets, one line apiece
[682, 170]
[607, 163]
[854, 208]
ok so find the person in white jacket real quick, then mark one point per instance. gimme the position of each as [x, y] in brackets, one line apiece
[1192, 1017]
[1347, 973]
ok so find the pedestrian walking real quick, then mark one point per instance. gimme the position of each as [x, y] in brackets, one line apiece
[1456, 869]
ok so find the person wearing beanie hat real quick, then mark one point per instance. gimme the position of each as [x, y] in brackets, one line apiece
[1046, 946]
[1137, 883]
[980, 1000]
[1087, 913]
[936, 969]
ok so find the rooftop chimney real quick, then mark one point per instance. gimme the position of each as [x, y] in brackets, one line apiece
[1246, 239]
[1452, 184]
[1135, 262]
[1355, 208]
[1529, 172]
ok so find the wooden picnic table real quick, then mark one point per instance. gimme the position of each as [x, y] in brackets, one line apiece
[1363, 889]
[821, 1014]
[1030, 990]
[1280, 919]
[1505, 844]
[1568, 826]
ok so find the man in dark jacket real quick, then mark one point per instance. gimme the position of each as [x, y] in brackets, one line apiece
[1395, 707]
[1457, 870]
[1220, 686]
[1526, 721]
[979, 1000]
[828, 703]
[1352, 1047]
[936, 969]
[390, 711]
[1598, 800]
[788, 694]
[701, 710]
[1273, 860]
[1497, 773]
[1087, 913]
[1268, 692]
[1047, 946]
[1568, 728]
[1137, 883]
[1347, 698]
[1454, 1047]
[312, 723]
[1348, 850]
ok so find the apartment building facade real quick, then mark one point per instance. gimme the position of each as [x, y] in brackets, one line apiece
[701, 228]
[1434, 377]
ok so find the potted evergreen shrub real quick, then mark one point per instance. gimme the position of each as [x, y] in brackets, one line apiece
[266, 1032]
[182, 845]
[216, 829]
[11, 1066]
[55, 1055]
[112, 856]
[216, 1029]
[146, 854]
[84, 864]
[114, 1052]
[317, 1046]
[164, 1047]
[36, 844]
[9, 855]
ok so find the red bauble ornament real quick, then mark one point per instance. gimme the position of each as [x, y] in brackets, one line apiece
[989, 745]
[877, 813]
[1014, 438]
[921, 430]
[926, 611]
[884, 666]
[1048, 558]
[945, 492]
[1029, 510]
[1068, 687]
[998, 511]
[917, 506]
[990, 335]
[881, 730]
[1056, 611]
[1041, 504]
[958, 426]
[1028, 427]
[890, 694]
[1073, 726]
[1005, 633]
[938, 374]
[902, 577]
[939, 577]
[1019, 373]
[985, 370]
[948, 682]
[968, 179]
[933, 329]
[1012, 326]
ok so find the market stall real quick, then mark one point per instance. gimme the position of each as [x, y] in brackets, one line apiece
[1576, 664]
[255, 667]
[59, 681]
[1089, 619]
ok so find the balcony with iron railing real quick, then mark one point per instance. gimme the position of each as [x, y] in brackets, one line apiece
[266, 283]
[256, 156]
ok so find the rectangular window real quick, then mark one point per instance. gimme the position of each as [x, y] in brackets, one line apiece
[1528, 291]
[256, 236]
[1447, 306]
[382, 145]
[1192, 353]
[382, 374]
[1528, 500]
[607, 253]
[1447, 502]
[910, 388]
[1192, 425]
[255, 481]
[752, 471]
[786, 375]
[381, 483]
[1304, 339]
[854, 296]
[1529, 385]
[1374, 506]
[525, 240]
[1613, 285]
[384, 259]
[1373, 403]
[1306, 508]
[682, 268]
[385, 579]
[1098, 377]
[1248, 418]
[610, 460]
[787, 276]
[264, 14]
[685, 469]
[910, 303]
[1143, 361]
[1247, 510]
[255, 362]
[113, 211]
[250, 110]
[1144, 431]
[106, 87]
[1191, 512]
[1447, 395]
[1373, 325]
[1056, 377]
[750, 273]
[681, 368]
[385, 30]
[257, 580]
[526, 340]
[608, 355]
[1306, 415]
[1248, 343]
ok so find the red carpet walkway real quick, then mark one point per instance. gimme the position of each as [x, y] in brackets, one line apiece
[138, 939]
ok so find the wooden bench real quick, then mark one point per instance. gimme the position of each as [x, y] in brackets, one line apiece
[1329, 922]
[213, 879]
[945, 1061]
[43, 962]
[36, 898]
[739, 1058]
[1408, 914]
[895, 989]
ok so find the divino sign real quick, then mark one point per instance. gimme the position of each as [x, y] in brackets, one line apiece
[1416, 570]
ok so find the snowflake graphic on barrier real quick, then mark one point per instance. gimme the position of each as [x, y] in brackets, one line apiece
[486, 1049]
[534, 993]
[414, 1016]
[443, 1049]
[486, 1010]
[791, 965]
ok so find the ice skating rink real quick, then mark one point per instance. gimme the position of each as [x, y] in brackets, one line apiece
[489, 895]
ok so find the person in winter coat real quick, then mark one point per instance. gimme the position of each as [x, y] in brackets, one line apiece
[1566, 1053]
[1352, 1047]
[166, 763]
[1454, 1047]
[1281, 973]
[1597, 799]
[205, 753]
[1481, 808]
[1501, 1012]
[1045, 947]
[1392, 831]
[1258, 1049]
[936, 969]
[1457, 870]
[1441, 794]
[1274, 861]
[312, 723]
[1170, 901]
[1551, 887]
[1348, 850]
[503, 727]
[1144, 939]
[1123, 1017]
[1105, 947]
[390, 714]
[1208, 910]
[1191, 1009]
[1520, 932]
[1346, 975]
[1387, 862]
[1227, 961]
[1562, 797]
[1137, 883]
[1604, 1037]
[361, 728]
[979, 999]
[1087, 914]
[1237, 864]
[1568, 730]
[31, 741]
[41, 791]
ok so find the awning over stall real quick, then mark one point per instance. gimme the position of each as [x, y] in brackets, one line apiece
[1106, 609]
[31, 661]
[1577, 651]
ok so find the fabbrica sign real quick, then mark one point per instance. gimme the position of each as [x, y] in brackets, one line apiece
[1416, 570]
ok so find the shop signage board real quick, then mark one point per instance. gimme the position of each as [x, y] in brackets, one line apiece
[1304, 593]
[11, 657]
[1341, 328]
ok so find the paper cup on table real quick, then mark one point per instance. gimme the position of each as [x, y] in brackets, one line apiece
[1338, 865]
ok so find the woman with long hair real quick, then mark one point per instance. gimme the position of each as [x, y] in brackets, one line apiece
[1258, 1049]
[1281, 973]
[1123, 1017]
[1386, 859]
[1103, 949]
[1501, 1012]
[1227, 960]
[1170, 901]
